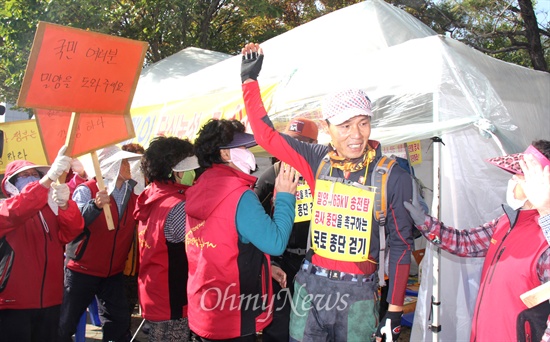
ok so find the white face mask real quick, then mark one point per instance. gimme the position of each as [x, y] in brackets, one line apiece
[21, 182]
[510, 199]
[243, 159]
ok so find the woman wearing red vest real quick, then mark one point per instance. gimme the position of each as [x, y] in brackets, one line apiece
[169, 165]
[229, 236]
[96, 258]
[517, 256]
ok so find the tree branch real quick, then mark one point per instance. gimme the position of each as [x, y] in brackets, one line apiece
[503, 50]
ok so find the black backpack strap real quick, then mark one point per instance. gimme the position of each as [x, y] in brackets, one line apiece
[531, 323]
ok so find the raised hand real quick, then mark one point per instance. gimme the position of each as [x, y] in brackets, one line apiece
[416, 212]
[251, 64]
[78, 168]
[61, 164]
[287, 179]
[535, 183]
[61, 194]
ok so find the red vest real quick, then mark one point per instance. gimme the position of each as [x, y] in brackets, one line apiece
[101, 252]
[510, 269]
[162, 276]
[228, 280]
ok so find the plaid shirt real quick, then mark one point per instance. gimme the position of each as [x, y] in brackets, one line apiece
[474, 242]
[174, 227]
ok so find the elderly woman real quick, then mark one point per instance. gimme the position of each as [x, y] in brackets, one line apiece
[229, 236]
[96, 258]
[170, 166]
[34, 229]
[517, 256]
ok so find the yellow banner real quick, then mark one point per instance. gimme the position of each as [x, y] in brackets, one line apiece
[185, 117]
[415, 152]
[304, 202]
[21, 141]
[342, 221]
[399, 150]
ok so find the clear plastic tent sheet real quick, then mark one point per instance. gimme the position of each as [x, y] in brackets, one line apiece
[160, 82]
[421, 88]
[456, 311]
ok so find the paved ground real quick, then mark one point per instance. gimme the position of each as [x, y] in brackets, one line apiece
[93, 333]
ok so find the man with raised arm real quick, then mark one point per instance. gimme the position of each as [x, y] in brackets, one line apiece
[335, 292]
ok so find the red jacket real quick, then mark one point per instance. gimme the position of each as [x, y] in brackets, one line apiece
[222, 270]
[31, 252]
[306, 158]
[99, 251]
[517, 248]
[162, 275]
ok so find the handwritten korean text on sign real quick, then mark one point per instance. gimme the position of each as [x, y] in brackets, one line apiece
[81, 71]
[93, 131]
[21, 141]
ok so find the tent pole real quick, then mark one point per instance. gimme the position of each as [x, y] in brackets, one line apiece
[435, 327]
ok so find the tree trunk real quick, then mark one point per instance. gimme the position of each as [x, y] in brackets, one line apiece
[205, 23]
[533, 35]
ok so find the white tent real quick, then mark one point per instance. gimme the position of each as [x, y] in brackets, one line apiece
[158, 82]
[422, 85]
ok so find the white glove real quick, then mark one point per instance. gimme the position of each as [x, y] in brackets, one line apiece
[61, 194]
[416, 212]
[78, 168]
[61, 164]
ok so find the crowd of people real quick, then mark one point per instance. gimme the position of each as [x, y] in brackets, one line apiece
[215, 253]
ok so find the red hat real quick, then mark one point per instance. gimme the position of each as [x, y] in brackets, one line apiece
[302, 127]
[510, 162]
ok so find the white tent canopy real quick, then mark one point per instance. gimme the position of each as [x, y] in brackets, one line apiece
[422, 85]
[159, 82]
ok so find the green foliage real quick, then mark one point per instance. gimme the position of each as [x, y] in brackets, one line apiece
[492, 26]
[17, 25]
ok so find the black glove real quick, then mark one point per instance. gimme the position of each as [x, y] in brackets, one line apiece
[394, 325]
[251, 66]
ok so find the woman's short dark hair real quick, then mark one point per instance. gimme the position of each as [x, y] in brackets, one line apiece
[134, 148]
[162, 155]
[215, 133]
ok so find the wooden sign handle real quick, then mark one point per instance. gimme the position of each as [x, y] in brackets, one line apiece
[101, 186]
[536, 296]
[69, 141]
